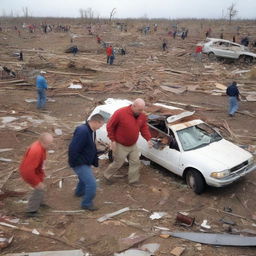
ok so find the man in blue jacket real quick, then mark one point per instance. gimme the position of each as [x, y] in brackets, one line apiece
[82, 154]
[41, 86]
[233, 93]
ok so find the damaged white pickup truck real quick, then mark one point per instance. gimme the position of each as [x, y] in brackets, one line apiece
[186, 146]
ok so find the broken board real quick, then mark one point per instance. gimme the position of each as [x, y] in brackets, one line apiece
[215, 239]
[51, 253]
[175, 118]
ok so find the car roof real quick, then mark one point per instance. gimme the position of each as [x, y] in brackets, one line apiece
[158, 109]
[221, 40]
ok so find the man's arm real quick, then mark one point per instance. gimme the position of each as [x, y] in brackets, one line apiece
[78, 143]
[144, 130]
[45, 84]
[112, 125]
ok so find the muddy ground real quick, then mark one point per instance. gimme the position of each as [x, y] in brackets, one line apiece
[145, 66]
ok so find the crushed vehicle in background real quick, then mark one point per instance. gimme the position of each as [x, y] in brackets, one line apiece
[186, 146]
[220, 48]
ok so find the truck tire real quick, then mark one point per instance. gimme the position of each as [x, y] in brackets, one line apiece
[211, 56]
[248, 59]
[195, 181]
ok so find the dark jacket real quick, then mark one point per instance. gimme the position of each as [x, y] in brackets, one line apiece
[82, 149]
[232, 90]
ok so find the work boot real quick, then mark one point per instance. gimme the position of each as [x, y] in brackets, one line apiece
[31, 214]
[45, 206]
[91, 208]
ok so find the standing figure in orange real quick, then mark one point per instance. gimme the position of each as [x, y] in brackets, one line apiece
[32, 171]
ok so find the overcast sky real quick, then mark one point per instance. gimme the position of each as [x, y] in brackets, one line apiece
[132, 8]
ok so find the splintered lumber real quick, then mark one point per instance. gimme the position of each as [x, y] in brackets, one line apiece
[65, 73]
[35, 232]
[113, 214]
[12, 81]
[74, 94]
[177, 71]
[7, 176]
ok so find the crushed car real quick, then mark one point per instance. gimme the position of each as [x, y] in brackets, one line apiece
[220, 48]
[186, 146]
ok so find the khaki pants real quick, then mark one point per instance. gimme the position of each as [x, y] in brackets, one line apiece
[35, 200]
[133, 155]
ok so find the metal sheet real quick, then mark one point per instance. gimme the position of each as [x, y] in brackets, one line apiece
[215, 239]
[52, 253]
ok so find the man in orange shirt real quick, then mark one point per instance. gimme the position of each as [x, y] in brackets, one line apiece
[109, 52]
[32, 171]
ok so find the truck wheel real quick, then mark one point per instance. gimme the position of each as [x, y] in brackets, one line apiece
[195, 181]
[211, 56]
[248, 59]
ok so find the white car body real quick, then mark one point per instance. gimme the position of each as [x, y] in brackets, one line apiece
[226, 49]
[216, 157]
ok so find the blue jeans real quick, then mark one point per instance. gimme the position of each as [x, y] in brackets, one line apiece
[111, 59]
[233, 105]
[86, 186]
[41, 97]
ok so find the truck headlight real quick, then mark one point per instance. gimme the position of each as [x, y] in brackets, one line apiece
[220, 175]
[250, 161]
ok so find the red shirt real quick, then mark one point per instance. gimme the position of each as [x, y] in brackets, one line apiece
[109, 51]
[124, 128]
[31, 167]
[199, 48]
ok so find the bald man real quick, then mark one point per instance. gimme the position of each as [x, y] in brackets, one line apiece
[32, 171]
[123, 129]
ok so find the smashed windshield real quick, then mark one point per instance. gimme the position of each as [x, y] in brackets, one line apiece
[197, 136]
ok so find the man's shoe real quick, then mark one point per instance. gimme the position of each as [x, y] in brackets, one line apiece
[135, 184]
[31, 214]
[45, 206]
[90, 208]
[78, 195]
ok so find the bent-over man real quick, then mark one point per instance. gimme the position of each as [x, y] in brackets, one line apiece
[123, 130]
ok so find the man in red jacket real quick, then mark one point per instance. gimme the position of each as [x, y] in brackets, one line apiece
[32, 171]
[123, 130]
[109, 52]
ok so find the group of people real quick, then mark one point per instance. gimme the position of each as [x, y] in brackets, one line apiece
[123, 129]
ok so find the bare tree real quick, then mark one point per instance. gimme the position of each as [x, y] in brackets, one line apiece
[112, 13]
[25, 12]
[232, 12]
[89, 13]
[81, 11]
[3, 13]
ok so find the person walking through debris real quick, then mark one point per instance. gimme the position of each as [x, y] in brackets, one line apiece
[109, 52]
[82, 154]
[74, 50]
[164, 45]
[112, 58]
[21, 56]
[198, 53]
[32, 171]
[98, 39]
[41, 85]
[233, 93]
[123, 130]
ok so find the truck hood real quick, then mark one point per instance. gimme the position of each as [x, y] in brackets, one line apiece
[223, 154]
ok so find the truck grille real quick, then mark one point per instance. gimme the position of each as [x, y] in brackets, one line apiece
[238, 167]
